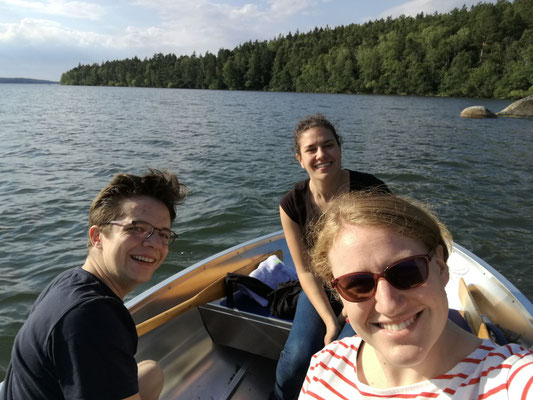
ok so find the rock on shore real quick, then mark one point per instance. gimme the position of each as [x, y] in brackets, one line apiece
[522, 108]
[477, 112]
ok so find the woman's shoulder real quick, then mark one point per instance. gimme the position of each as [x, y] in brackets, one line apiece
[335, 366]
[297, 192]
[362, 176]
[364, 180]
[488, 349]
[300, 186]
[341, 347]
[505, 371]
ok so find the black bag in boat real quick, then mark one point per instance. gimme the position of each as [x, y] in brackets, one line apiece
[233, 280]
[284, 299]
[281, 302]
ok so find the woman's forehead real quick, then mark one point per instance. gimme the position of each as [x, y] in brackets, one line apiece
[360, 246]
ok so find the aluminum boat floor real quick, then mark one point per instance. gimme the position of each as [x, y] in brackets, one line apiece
[196, 368]
[222, 374]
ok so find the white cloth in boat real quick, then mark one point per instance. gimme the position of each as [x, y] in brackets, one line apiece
[272, 271]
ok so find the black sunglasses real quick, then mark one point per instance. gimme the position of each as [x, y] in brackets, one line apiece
[407, 273]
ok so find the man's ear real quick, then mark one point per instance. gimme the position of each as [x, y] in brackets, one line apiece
[443, 267]
[95, 234]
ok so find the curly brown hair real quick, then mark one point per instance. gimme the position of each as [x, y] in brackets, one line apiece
[404, 216]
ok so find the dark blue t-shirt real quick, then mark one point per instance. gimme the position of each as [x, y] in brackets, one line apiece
[78, 342]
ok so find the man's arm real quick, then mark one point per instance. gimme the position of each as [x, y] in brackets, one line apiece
[93, 349]
[151, 381]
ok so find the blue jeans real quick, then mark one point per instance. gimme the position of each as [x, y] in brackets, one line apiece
[305, 339]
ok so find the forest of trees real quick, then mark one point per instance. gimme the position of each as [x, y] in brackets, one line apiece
[485, 51]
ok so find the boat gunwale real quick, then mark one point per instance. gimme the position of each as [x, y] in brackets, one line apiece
[163, 287]
[507, 285]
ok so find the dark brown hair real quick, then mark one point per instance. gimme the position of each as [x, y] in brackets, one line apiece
[312, 121]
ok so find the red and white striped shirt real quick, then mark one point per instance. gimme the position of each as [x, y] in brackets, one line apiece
[491, 372]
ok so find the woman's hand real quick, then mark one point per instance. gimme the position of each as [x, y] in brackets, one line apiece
[311, 285]
[332, 331]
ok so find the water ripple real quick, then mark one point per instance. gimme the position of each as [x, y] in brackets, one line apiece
[60, 145]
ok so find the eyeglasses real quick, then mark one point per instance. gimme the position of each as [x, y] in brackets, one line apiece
[145, 230]
[407, 273]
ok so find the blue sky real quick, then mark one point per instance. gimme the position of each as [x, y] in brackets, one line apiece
[42, 38]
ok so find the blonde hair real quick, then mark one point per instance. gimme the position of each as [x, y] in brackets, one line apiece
[404, 216]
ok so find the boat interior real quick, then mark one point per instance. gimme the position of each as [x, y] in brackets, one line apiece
[227, 351]
[214, 351]
[219, 352]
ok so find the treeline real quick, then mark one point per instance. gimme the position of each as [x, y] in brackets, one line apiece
[486, 51]
[25, 80]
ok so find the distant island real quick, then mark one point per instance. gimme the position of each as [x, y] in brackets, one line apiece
[26, 80]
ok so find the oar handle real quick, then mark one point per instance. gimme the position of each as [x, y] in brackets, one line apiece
[212, 291]
[471, 312]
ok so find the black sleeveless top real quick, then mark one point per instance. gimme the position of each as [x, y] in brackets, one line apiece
[297, 202]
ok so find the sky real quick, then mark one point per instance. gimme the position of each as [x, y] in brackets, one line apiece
[41, 39]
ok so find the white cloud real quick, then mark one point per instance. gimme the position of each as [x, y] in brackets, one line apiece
[201, 25]
[142, 27]
[203, 13]
[246, 11]
[72, 9]
[290, 7]
[34, 31]
[207, 25]
[41, 33]
[414, 7]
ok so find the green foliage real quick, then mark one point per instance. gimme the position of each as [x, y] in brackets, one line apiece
[484, 51]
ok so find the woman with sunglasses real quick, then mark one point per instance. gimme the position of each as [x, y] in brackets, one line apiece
[386, 258]
[317, 148]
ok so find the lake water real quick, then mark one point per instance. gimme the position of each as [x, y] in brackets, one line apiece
[60, 145]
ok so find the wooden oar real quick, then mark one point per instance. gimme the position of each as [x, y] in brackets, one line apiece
[213, 291]
[471, 312]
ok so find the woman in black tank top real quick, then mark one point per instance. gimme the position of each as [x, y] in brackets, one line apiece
[317, 148]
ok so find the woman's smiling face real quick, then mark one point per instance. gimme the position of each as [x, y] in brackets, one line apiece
[402, 326]
[320, 154]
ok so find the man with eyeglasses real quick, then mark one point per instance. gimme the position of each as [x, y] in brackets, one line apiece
[79, 340]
